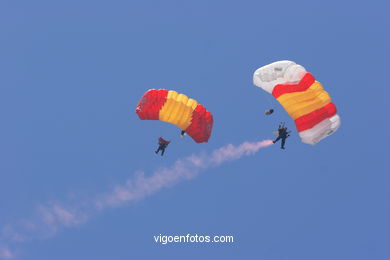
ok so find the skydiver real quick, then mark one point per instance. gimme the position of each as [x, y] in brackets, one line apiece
[162, 144]
[283, 134]
[183, 133]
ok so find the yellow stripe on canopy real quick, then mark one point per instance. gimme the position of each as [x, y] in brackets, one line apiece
[178, 110]
[304, 102]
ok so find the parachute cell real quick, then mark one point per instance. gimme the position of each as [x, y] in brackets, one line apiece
[304, 99]
[177, 109]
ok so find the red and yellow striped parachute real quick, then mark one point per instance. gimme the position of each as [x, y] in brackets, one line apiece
[303, 98]
[177, 109]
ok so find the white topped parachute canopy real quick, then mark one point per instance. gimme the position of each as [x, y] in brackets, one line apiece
[302, 97]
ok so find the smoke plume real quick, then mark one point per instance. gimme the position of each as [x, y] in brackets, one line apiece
[51, 217]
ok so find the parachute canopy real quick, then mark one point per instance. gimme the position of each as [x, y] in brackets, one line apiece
[302, 97]
[177, 109]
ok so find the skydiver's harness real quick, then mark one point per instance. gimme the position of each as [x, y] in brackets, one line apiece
[162, 145]
[283, 133]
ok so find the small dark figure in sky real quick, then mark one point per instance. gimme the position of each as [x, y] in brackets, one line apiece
[282, 134]
[269, 112]
[162, 144]
[183, 133]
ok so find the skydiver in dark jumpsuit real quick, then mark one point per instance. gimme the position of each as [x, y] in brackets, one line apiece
[162, 144]
[283, 134]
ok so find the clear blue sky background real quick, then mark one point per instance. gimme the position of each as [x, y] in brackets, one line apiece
[72, 72]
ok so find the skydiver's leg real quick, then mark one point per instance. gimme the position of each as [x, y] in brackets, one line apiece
[277, 139]
[283, 142]
[159, 149]
[162, 151]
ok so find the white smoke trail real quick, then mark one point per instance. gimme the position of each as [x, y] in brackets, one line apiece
[231, 152]
[182, 169]
[52, 217]
[5, 253]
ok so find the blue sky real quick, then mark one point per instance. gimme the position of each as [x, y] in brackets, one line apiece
[72, 72]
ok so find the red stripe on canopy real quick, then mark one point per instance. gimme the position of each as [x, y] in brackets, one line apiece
[150, 104]
[310, 120]
[303, 85]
